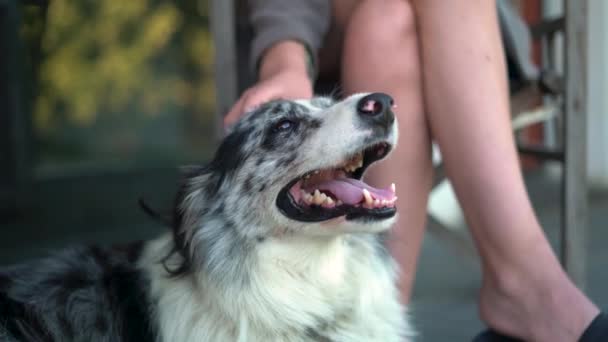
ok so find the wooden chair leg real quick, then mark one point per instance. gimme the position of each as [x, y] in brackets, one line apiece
[574, 229]
[224, 39]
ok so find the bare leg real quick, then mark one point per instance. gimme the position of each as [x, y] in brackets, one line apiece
[381, 55]
[525, 293]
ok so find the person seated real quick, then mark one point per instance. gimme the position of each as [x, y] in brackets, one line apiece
[443, 62]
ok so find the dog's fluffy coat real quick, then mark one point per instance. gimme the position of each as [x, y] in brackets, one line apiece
[234, 268]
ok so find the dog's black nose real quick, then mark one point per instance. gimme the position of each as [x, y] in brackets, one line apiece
[376, 109]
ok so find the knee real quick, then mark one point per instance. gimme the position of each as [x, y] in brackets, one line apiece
[387, 21]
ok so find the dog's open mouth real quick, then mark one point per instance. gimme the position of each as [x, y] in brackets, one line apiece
[321, 195]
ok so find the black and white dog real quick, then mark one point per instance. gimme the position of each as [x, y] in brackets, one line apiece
[277, 239]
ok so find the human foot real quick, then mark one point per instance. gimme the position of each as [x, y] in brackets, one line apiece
[542, 305]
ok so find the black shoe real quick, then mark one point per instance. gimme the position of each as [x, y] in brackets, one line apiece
[597, 331]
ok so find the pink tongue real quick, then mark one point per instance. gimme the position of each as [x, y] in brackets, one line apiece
[349, 190]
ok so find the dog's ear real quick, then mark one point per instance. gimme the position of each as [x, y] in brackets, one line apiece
[186, 173]
[165, 219]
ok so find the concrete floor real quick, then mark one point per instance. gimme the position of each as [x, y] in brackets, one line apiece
[103, 209]
[444, 300]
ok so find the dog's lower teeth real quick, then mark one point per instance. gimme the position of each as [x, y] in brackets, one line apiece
[319, 198]
[316, 197]
[322, 199]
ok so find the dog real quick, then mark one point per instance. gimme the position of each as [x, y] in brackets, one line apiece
[276, 239]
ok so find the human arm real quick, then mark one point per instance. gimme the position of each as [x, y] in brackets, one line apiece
[287, 37]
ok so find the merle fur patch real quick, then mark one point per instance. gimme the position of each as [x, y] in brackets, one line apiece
[83, 294]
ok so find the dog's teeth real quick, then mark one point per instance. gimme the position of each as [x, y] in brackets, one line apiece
[306, 197]
[316, 172]
[307, 176]
[393, 188]
[309, 198]
[358, 160]
[354, 163]
[329, 201]
[322, 198]
[317, 197]
[338, 202]
[376, 203]
[368, 197]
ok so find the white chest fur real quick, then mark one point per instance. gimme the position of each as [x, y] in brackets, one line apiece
[300, 289]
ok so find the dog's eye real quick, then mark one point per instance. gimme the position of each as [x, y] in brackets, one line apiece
[284, 126]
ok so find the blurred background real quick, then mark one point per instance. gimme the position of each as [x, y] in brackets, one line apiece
[102, 101]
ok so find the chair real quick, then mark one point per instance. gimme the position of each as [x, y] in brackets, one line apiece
[567, 94]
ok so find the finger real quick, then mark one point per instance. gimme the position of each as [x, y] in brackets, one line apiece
[259, 96]
[251, 99]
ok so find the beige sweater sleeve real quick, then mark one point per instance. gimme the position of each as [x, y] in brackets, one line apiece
[306, 21]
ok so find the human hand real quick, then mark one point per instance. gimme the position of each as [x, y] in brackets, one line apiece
[288, 84]
[283, 75]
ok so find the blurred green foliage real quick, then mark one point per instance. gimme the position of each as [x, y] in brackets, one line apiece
[118, 79]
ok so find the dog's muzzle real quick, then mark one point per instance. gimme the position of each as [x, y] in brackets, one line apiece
[337, 190]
